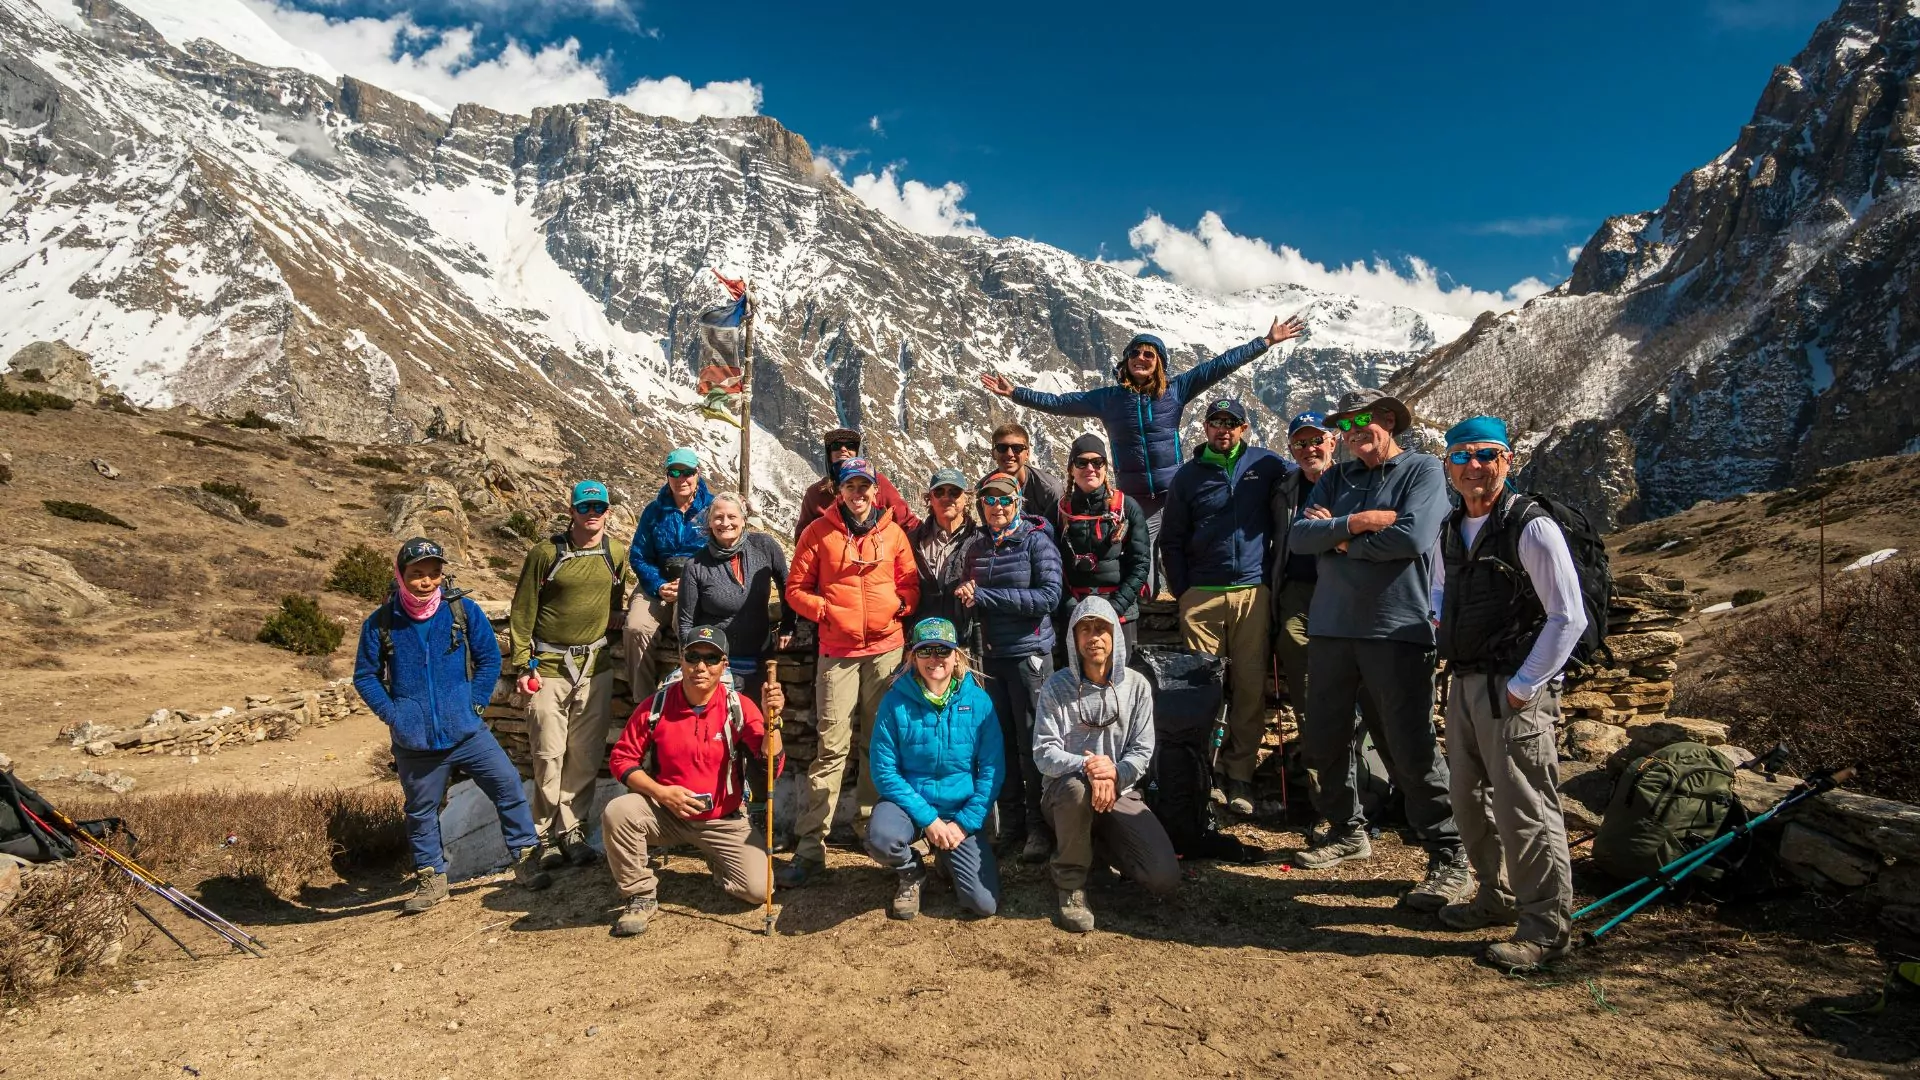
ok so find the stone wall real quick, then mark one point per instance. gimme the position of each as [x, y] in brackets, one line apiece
[177, 731]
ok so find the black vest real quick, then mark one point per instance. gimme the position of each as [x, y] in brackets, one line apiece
[1490, 614]
[1091, 549]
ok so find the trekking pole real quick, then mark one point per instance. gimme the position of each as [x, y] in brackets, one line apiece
[773, 677]
[148, 915]
[1671, 874]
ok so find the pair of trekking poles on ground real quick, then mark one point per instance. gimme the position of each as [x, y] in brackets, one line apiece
[64, 826]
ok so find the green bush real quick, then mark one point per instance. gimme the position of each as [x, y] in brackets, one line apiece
[299, 627]
[237, 494]
[79, 511]
[1748, 596]
[254, 421]
[499, 562]
[362, 572]
[522, 525]
[31, 401]
[375, 461]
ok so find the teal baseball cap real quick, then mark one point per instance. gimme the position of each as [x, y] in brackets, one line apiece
[934, 631]
[684, 457]
[589, 491]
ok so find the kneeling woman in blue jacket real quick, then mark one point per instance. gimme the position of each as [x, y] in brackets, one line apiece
[427, 664]
[937, 760]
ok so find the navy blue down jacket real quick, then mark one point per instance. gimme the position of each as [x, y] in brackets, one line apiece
[1144, 432]
[1017, 586]
[427, 701]
[1218, 527]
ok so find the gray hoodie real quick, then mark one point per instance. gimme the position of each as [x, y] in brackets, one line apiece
[1075, 717]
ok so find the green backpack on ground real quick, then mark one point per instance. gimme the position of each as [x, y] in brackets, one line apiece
[1664, 805]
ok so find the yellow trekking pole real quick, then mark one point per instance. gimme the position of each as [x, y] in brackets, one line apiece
[773, 724]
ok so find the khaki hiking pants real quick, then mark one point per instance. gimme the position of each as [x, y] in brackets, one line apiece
[645, 617]
[1128, 837]
[1291, 642]
[1506, 803]
[569, 748]
[847, 690]
[633, 821]
[1233, 624]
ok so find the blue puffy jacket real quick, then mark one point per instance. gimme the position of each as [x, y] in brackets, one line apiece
[1218, 528]
[665, 533]
[1144, 432]
[1017, 583]
[431, 705]
[946, 762]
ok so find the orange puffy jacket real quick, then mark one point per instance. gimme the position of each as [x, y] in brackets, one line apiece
[856, 588]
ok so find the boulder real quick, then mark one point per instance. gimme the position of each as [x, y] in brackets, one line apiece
[1654, 733]
[1584, 793]
[62, 370]
[1592, 742]
[1835, 860]
[39, 581]
[434, 511]
[1633, 648]
[10, 873]
[1882, 825]
[1586, 699]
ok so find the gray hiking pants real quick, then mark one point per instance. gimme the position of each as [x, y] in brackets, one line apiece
[1506, 800]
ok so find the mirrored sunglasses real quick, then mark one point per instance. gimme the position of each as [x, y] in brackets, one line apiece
[681, 472]
[1224, 423]
[1308, 444]
[1354, 422]
[997, 500]
[1486, 455]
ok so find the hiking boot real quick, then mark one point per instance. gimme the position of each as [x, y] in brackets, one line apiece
[1525, 955]
[1334, 850]
[798, 872]
[1071, 912]
[573, 844]
[633, 921]
[1240, 797]
[431, 890]
[550, 856]
[1449, 880]
[1477, 916]
[1037, 848]
[906, 894]
[527, 870]
[1218, 797]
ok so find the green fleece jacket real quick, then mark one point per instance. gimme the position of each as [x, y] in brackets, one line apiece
[572, 609]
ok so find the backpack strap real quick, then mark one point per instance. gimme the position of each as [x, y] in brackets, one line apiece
[460, 639]
[655, 709]
[383, 623]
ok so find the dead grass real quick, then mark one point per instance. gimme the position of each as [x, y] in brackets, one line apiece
[139, 576]
[67, 919]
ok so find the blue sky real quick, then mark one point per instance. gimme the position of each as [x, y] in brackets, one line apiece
[1484, 139]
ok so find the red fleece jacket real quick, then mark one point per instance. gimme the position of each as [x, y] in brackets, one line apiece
[690, 748]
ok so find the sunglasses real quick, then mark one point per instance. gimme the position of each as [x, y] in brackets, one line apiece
[843, 446]
[1224, 423]
[1486, 455]
[1090, 463]
[592, 509]
[1010, 448]
[705, 658]
[996, 500]
[934, 652]
[1147, 351]
[1308, 444]
[681, 472]
[948, 492]
[1354, 422]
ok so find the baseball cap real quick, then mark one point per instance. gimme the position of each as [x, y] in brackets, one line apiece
[999, 483]
[416, 549]
[705, 635]
[683, 457]
[589, 491]
[934, 631]
[1228, 406]
[857, 466]
[1308, 419]
[948, 477]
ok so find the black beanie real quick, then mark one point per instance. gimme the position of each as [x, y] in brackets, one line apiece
[1087, 444]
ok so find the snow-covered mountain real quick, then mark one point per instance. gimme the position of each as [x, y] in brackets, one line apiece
[1760, 326]
[234, 235]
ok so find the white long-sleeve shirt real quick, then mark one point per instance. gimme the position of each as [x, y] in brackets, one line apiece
[1549, 565]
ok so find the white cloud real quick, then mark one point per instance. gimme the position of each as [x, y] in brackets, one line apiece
[1573, 253]
[303, 135]
[443, 68]
[1213, 258]
[1527, 226]
[933, 211]
[873, 125]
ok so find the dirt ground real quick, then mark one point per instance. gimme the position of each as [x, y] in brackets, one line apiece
[1249, 971]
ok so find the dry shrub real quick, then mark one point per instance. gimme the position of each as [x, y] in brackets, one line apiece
[1842, 687]
[68, 918]
[135, 574]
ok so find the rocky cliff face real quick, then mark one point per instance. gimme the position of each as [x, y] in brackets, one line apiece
[342, 260]
[1761, 325]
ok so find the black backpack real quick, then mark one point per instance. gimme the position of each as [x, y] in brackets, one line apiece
[22, 834]
[1189, 716]
[1590, 561]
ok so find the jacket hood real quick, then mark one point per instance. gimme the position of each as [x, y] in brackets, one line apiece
[1120, 365]
[701, 495]
[1096, 606]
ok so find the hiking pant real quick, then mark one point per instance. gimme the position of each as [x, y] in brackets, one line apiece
[847, 690]
[1128, 837]
[1290, 643]
[1506, 797]
[1153, 506]
[1397, 677]
[975, 872]
[569, 748]
[1013, 685]
[633, 821]
[645, 617]
[423, 781]
[1233, 624]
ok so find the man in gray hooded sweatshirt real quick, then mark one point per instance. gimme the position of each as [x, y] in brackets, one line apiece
[1093, 741]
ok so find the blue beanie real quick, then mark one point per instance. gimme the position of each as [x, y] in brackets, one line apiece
[1479, 429]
